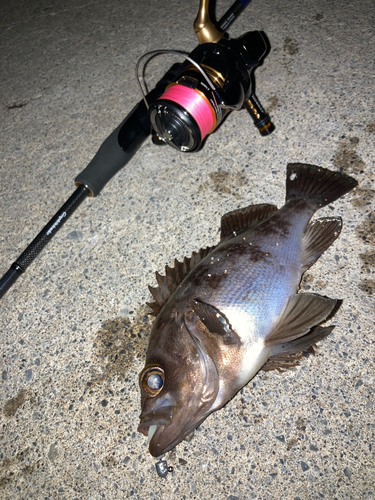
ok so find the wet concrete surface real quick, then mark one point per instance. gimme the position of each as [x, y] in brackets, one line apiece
[74, 328]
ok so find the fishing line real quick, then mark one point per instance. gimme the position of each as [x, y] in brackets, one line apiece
[154, 53]
[195, 104]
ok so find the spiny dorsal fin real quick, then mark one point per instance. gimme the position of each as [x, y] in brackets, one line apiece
[242, 218]
[173, 277]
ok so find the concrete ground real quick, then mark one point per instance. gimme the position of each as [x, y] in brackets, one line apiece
[74, 328]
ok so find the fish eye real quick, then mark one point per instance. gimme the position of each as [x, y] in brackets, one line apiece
[152, 380]
[155, 381]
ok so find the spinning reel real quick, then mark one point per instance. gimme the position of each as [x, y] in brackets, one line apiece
[216, 78]
[186, 105]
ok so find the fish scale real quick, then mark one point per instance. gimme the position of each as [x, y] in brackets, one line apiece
[271, 283]
[233, 309]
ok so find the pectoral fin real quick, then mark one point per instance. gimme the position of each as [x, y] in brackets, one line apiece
[215, 321]
[301, 312]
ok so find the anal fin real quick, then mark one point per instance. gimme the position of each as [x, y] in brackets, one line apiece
[319, 235]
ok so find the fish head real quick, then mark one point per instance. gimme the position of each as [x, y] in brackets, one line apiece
[179, 383]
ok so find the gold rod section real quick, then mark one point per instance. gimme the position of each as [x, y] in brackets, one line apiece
[205, 30]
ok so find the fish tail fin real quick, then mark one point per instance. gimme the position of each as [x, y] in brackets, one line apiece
[318, 185]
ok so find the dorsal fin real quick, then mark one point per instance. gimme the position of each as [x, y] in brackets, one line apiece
[173, 277]
[242, 218]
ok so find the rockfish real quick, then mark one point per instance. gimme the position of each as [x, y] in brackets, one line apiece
[233, 309]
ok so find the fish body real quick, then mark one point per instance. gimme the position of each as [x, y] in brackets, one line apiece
[233, 309]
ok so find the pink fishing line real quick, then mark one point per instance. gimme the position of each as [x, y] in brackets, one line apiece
[195, 104]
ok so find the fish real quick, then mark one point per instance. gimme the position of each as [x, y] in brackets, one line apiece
[235, 308]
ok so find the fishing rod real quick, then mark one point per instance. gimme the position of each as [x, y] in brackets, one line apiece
[186, 105]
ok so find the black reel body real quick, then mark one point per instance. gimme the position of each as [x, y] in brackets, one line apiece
[202, 94]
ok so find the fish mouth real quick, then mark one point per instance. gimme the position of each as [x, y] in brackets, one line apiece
[155, 420]
[163, 417]
[156, 415]
[161, 437]
[156, 426]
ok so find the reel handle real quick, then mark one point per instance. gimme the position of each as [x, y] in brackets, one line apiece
[261, 119]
